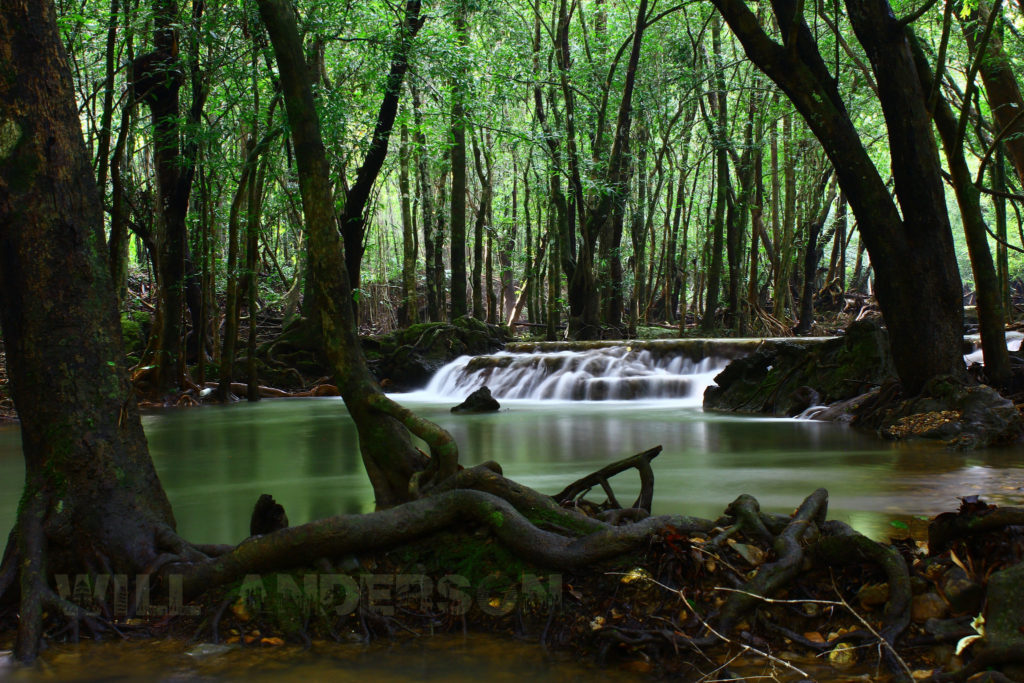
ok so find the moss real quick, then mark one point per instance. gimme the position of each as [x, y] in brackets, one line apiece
[135, 328]
[543, 517]
[10, 136]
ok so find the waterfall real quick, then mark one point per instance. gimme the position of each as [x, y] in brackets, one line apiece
[621, 371]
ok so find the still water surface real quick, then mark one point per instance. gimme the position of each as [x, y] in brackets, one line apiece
[216, 461]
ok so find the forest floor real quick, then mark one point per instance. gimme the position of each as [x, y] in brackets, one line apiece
[652, 612]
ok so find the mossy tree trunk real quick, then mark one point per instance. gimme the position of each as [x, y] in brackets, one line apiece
[92, 498]
[911, 247]
[388, 454]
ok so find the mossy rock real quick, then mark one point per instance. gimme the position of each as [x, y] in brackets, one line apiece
[784, 378]
[407, 358]
[960, 416]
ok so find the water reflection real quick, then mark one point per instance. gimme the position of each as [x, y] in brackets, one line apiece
[216, 461]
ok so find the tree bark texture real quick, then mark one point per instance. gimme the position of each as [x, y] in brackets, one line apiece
[91, 493]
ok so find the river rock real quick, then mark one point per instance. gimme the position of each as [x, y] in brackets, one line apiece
[480, 401]
[406, 359]
[964, 594]
[928, 606]
[783, 378]
[961, 416]
[1004, 614]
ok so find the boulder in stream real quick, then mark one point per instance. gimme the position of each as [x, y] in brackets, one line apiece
[784, 378]
[480, 401]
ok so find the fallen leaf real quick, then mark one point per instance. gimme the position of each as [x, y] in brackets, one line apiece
[751, 553]
[636, 575]
[965, 643]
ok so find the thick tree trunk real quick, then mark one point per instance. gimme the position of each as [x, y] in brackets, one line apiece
[92, 497]
[157, 78]
[918, 284]
[990, 310]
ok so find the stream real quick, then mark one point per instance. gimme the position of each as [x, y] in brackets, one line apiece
[564, 414]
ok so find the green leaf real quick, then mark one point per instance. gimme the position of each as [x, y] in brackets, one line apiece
[899, 525]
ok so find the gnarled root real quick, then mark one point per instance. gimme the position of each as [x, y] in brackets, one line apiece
[444, 451]
[346, 534]
[27, 570]
[843, 545]
[641, 462]
[789, 557]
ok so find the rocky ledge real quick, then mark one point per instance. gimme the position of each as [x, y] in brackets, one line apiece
[851, 379]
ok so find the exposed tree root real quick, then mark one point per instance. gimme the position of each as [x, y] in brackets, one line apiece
[843, 545]
[539, 508]
[9, 568]
[444, 451]
[789, 557]
[641, 462]
[971, 520]
[747, 512]
[345, 534]
[33, 589]
[533, 527]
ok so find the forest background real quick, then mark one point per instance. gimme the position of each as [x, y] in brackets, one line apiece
[600, 166]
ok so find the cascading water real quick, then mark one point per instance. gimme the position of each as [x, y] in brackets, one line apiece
[611, 372]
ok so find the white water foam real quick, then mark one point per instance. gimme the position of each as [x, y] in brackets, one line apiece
[616, 373]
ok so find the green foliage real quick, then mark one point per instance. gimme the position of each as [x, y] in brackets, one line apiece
[225, 57]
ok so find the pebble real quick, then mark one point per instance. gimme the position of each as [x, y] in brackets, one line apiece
[928, 606]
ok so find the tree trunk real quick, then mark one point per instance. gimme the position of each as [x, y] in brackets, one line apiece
[91, 495]
[458, 157]
[991, 317]
[483, 172]
[409, 312]
[435, 296]
[388, 454]
[918, 283]
[708, 323]
[1001, 87]
[353, 218]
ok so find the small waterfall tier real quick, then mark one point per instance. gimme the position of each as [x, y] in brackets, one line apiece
[592, 371]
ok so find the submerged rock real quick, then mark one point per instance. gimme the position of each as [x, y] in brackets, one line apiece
[480, 401]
